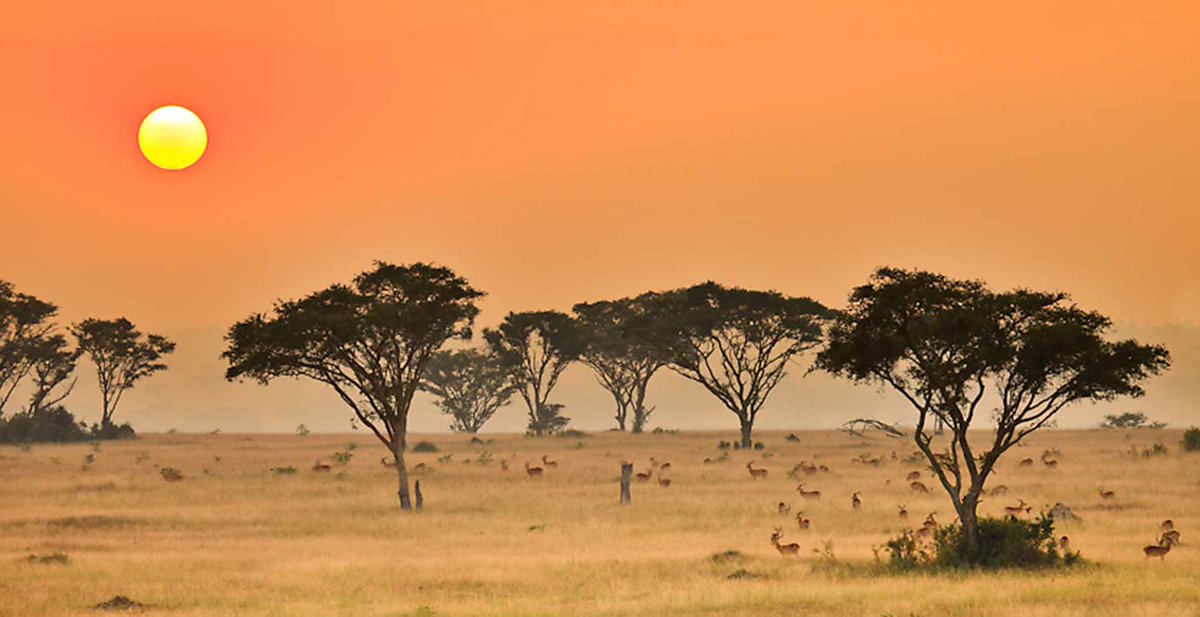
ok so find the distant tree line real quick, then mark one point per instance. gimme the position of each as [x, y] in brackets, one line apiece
[37, 358]
[940, 343]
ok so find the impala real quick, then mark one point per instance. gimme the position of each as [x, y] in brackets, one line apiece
[784, 549]
[756, 473]
[534, 472]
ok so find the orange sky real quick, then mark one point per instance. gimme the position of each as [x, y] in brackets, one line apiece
[556, 151]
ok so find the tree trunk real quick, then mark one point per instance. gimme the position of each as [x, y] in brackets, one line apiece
[626, 475]
[401, 474]
[747, 426]
[970, 527]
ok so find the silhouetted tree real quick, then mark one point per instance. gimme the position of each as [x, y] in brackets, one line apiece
[942, 343]
[123, 356]
[536, 347]
[369, 341]
[52, 365]
[470, 385]
[737, 343]
[25, 321]
[623, 362]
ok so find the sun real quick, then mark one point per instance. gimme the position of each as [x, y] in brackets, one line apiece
[172, 137]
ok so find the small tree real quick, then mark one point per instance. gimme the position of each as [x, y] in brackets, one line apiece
[535, 348]
[369, 341]
[1134, 419]
[25, 323]
[737, 343]
[470, 385]
[122, 355]
[944, 344]
[52, 364]
[623, 362]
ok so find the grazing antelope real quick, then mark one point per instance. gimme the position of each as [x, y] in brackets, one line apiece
[801, 521]
[784, 508]
[549, 463]
[420, 467]
[855, 502]
[999, 490]
[1064, 543]
[1017, 509]
[823, 469]
[1106, 495]
[1026, 462]
[386, 462]
[756, 473]
[1160, 550]
[913, 475]
[1167, 525]
[664, 482]
[664, 467]
[1052, 464]
[321, 466]
[534, 472]
[643, 476]
[903, 511]
[708, 461]
[784, 549]
[807, 494]
[918, 487]
[1171, 537]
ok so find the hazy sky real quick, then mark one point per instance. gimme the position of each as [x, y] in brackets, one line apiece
[555, 151]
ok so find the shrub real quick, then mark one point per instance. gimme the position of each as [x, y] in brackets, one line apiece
[302, 430]
[724, 445]
[55, 424]
[1191, 439]
[572, 433]
[284, 471]
[1003, 543]
[758, 445]
[114, 431]
[425, 446]
[342, 458]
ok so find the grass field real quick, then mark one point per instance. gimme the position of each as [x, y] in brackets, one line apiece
[235, 538]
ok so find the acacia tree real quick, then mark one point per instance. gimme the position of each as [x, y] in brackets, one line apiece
[737, 343]
[369, 341]
[470, 385]
[946, 344]
[622, 361]
[536, 347]
[25, 323]
[52, 363]
[123, 356]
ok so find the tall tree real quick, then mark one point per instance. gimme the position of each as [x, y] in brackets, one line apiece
[470, 385]
[123, 356]
[536, 347]
[369, 341]
[946, 344]
[622, 361]
[737, 343]
[25, 321]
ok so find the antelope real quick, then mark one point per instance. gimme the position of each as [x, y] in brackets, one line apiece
[802, 522]
[903, 511]
[664, 482]
[1107, 494]
[913, 475]
[931, 520]
[918, 487]
[1051, 464]
[784, 549]
[1027, 462]
[664, 467]
[999, 490]
[503, 465]
[807, 494]
[1167, 525]
[784, 508]
[321, 466]
[1064, 543]
[1017, 509]
[756, 473]
[643, 476]
[823, 469]
[549, 463]
[387, 463]
[708, 461]
[534, 472]
[1171, 537]
[926, 531]
[855, 502]
[1160, 550]
[420, 467]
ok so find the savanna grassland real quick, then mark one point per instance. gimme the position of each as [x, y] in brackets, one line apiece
[235, 538]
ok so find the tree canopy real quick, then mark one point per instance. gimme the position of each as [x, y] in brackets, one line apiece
[536, 347]
[470, 385]
[123, 356]
[622, 361]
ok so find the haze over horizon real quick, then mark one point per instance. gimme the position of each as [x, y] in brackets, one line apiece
[556, 154]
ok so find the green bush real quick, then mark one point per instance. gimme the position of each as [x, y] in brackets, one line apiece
[55, 424]
[1003, 543]
[425, 446]
[1191, 439]
[571, 433]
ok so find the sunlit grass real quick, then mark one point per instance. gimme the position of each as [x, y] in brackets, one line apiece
[235, 538]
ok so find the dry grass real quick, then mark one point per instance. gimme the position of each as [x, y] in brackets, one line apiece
[235, 538]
